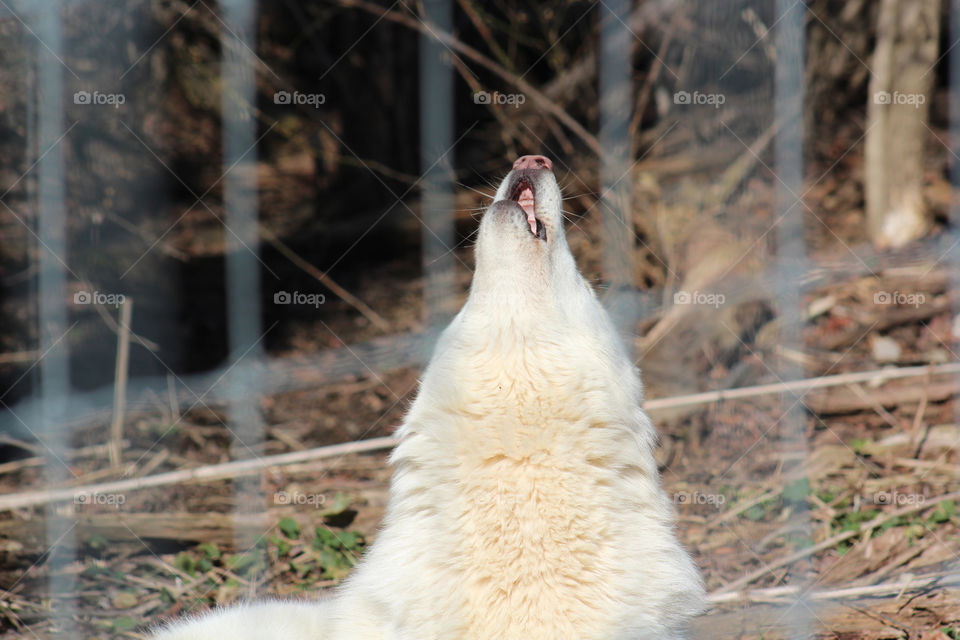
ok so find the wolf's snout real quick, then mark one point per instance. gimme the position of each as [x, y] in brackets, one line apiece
[533, 162]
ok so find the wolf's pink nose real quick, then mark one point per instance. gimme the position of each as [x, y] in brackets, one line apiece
[533, 162]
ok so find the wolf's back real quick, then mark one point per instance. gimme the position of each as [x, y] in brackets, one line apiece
[271, 620]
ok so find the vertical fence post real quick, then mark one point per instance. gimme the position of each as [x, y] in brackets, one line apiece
[54, 376]
[244, 330]
[436, 165]
[791, 252]
[616, 179]
[953, 258]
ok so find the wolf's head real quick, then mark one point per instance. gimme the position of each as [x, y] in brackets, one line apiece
[522, 253]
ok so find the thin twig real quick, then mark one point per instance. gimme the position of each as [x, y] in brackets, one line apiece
[653, 75]
[746, 504]
[18, 356]
[95, 450]
[739, 169]
[172, 399]
[484, 30]
[806, 384]
[888, 417]
[206, 473]
[829, 542]
[884, 588]
[916, 435]
[326, 280]
[120, 383]
[113, 326]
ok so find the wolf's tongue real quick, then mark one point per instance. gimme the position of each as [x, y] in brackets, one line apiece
[526, 203]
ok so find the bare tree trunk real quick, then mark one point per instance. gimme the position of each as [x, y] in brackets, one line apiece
[897, 114]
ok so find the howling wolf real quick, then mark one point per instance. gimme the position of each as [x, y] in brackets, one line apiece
[525, 502]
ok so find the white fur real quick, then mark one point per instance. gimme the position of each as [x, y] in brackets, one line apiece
[263, 621]
[525, 502]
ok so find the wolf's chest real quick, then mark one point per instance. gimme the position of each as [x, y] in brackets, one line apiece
[535, 544]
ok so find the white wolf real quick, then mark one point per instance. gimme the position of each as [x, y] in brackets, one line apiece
[525, 502]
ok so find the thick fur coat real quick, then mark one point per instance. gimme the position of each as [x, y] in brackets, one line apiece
[525, 502]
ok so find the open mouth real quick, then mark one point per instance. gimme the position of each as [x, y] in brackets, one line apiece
[523, 195]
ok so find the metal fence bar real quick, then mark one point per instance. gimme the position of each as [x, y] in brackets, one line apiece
[238, 100]
[791, 266]
[616, 180]
[953, 255]
[54, 376]
[436, 166]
